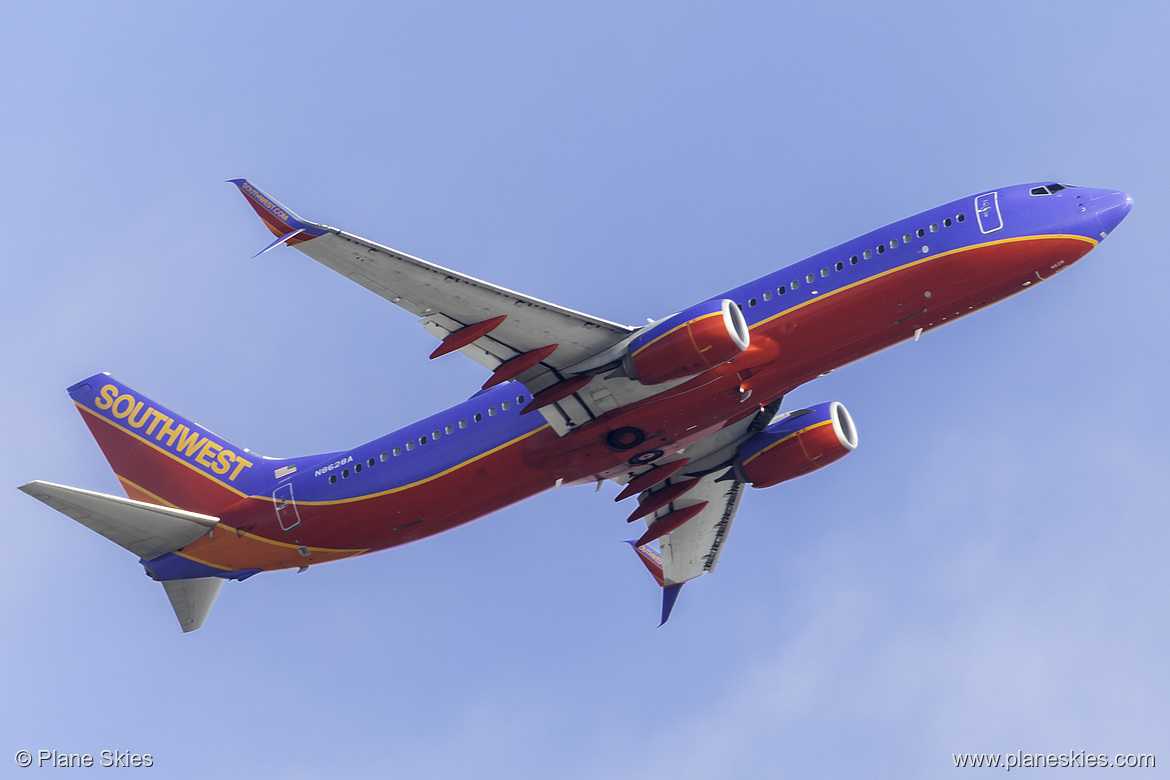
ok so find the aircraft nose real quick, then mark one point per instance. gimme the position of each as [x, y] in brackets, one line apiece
[1111, 206]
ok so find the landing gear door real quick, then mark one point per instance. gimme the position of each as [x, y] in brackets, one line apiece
[987, 211]
[286, 509]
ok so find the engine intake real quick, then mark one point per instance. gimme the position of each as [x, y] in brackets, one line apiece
[690, 342]
[798, 443]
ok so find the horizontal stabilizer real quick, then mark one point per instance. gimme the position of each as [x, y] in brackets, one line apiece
[147, 530]
[192, 599]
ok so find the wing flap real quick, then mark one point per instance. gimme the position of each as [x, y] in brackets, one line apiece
[427, 290]
[147, 530]
[694, 547]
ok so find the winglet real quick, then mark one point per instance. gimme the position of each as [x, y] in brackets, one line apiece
[280, 240]
[650, 559]
[284, 224]
[669, 596]
[653, 563]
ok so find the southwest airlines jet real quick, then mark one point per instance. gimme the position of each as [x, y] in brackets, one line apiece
[683, 412]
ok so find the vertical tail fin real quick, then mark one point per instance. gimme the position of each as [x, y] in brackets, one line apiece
[192, 599]
[161, 457]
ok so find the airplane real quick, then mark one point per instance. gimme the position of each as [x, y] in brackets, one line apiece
[683, 412]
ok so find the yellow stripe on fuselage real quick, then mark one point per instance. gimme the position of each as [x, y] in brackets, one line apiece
[305, 503]
[1093, 243]
[424, 480]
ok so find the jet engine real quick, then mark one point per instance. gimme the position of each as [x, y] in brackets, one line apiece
[797, 443]
[688, 343]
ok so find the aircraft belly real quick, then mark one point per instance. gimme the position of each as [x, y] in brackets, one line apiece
[800, 344]
[403, 514]
[849, 324]
[233, 549]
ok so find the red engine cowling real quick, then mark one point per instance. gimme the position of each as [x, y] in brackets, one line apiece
[688, 343]
[801, 442]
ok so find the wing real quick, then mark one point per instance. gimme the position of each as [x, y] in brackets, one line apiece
[691, 528]
[544, 346]
[690, 503]
[704, 513]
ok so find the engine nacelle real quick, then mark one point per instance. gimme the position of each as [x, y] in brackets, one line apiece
[798, 443]
[688, 343]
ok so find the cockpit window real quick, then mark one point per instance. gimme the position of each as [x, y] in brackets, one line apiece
[1049, 189]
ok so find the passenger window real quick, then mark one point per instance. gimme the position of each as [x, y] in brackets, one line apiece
[332, 479]
[824, 272]
[491, 411]
[768, 295]
[934, 228]
[751, 302]
[893, 243]
[463, 423]
[477, 417]
[881, 248]
[345, 473]
[810, 278]
[840, 266]
[867, 254]
[397, 451]
[449, 429]
[921, 232]
[357, 468]
[795, 284]
[505, 405]
[782, 289]
[422, 439]
[947, 222]
[385, 456]
[960, 218]
[853, 260]
[371, 462]
[409, 446]
[519, 399]
[906, 239]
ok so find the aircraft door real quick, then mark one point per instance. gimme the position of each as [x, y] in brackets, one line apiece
[286, 509]
[987, 211]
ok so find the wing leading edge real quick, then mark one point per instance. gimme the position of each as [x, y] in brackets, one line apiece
[513, 335]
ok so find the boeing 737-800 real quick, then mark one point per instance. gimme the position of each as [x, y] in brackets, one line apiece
[683, 412]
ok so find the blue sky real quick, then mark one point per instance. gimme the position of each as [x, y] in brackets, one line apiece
[987, 573]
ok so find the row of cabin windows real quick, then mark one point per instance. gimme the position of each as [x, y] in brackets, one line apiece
[866, 255]
[433, 436]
